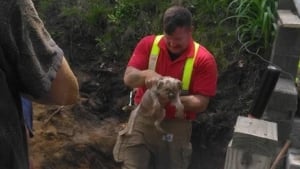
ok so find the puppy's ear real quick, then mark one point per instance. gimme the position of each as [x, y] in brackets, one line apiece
[179, 84]
[159, 83]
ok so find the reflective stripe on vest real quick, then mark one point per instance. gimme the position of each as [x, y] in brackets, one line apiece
[154, 53]
[188, 67]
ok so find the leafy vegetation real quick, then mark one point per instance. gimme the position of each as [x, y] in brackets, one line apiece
[219, 39]
[115, 26]
[256, 23]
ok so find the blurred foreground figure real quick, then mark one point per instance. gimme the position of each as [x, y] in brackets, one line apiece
[31, 65]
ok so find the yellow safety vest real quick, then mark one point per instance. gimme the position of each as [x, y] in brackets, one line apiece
[188, 67]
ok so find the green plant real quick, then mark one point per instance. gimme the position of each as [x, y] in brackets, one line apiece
[210, 7]
[123, 9]
[90, 11]
[255, 20]
[72, 11]
[218, 39]
[44, 6]
[115, 26]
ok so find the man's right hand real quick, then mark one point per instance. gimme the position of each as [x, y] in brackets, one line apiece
[151, 78]
[136, 78]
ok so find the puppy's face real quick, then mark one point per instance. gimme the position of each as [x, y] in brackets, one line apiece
[168, 88]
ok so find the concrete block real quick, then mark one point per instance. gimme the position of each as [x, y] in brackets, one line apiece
[286, 51]
[297, 5]
[284, 130]
[288, 19]
[288, 63]
[283, 101]
[295, 133]
[293, 159]
[253, 145]
[286, 4]
[237, 158]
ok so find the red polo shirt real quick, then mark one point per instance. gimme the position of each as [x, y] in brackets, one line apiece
[204, 75]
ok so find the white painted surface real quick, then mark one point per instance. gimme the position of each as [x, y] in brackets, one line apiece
[256, 127]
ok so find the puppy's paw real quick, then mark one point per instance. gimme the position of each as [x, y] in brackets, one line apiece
[179, 110]
[158, 127]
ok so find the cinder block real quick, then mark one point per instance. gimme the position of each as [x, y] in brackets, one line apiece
[283, 101]
[293, 159]
[285, 4]
[237, 158]
[295, 133]
[288, 63]
[297, 5]
[286, 51]
[253, 146]
[284, 130]
[288, 19]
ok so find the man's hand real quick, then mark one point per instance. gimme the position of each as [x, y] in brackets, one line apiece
[195, 103]
[136, 78]
[151, 80]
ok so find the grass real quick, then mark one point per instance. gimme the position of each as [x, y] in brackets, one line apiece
[255, 21]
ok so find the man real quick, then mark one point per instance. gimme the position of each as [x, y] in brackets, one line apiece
[31, 65]
[167, 55]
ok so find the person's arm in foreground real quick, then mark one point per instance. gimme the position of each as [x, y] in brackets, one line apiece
[64, 88]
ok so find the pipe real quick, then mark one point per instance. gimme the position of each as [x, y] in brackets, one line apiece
[269, 80]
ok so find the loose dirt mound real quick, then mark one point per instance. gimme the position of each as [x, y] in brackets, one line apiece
[80, 136]
[63, 142]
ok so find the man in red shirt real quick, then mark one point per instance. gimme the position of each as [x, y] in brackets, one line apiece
[146, 147]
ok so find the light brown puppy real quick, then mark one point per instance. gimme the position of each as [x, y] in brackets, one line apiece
[154, 100]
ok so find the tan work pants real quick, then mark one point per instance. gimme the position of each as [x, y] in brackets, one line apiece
[148, 148]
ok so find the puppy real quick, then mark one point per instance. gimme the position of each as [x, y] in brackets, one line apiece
[154, 100]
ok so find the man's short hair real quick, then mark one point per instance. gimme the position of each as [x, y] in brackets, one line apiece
[176, 16]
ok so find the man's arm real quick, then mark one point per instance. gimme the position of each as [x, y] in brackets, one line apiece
[136, 78]
[195, 103]
[64, 88]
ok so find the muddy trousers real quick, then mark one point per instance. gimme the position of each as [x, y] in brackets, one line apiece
[148, 148]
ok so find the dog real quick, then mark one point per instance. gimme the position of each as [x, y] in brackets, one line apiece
[166, 90]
